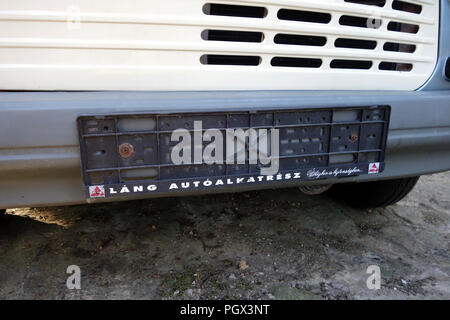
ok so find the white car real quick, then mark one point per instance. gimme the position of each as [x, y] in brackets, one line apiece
[113, 100]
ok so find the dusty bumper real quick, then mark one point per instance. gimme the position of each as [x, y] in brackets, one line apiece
[39, 155]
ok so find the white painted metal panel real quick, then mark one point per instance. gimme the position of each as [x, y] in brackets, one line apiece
[157, 45]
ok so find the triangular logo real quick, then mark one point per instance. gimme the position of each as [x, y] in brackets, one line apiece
[374, 167]
[97, 191]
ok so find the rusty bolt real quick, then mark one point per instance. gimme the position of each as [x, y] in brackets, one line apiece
[354, 138]
[126, 150]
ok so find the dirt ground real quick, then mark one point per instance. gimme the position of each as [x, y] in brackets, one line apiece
[274, 244]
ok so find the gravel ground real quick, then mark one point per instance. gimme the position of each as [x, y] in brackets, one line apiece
[274, 244]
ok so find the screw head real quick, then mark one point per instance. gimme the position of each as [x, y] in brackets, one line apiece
[126, 150]
[354, 138]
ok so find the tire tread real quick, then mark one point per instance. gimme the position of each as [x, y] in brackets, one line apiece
[374, 194]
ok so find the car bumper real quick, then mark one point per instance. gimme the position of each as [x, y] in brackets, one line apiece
[39, 153]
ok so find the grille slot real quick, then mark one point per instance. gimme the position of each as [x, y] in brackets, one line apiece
[300, 40]
[304, 16]
[399, 47]
[406, 6]
[360, 22]
[395, 66]
[296, 62]
[218, 9]
[230, 60]
[350, 64]
[403, 27]
[355, 43]
[378, 3]
[232, 36]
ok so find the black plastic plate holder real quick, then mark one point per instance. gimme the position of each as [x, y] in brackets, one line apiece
[314, 144]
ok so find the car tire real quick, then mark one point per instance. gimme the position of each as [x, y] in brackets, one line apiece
[373, 194]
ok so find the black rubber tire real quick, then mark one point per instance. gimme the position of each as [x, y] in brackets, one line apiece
[373, 194]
